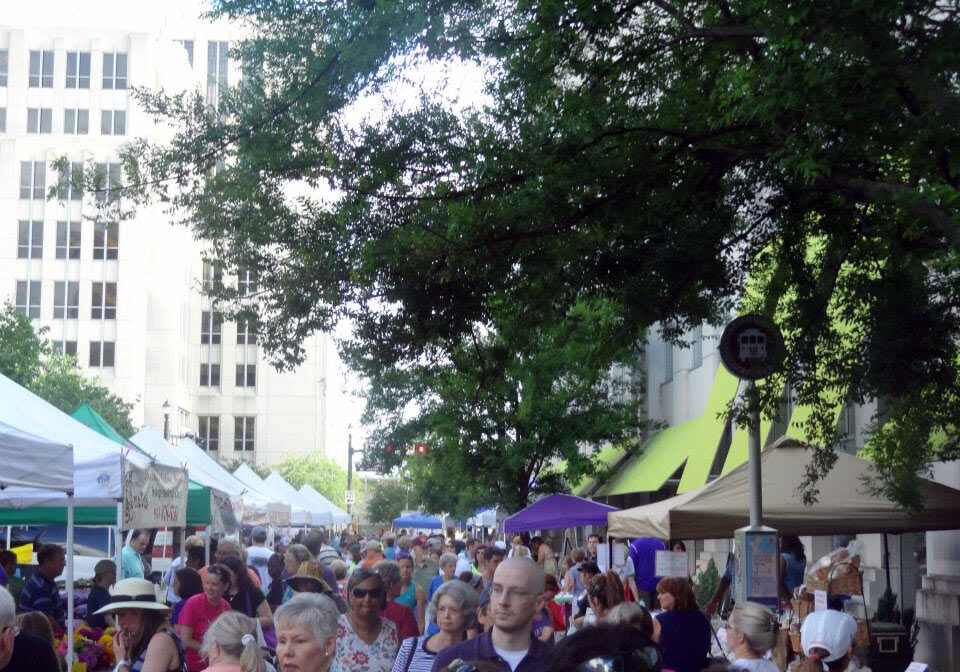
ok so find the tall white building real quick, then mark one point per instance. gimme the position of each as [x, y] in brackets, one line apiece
[127, 297]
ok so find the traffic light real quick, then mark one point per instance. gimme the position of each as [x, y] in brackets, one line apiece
[421, 449]
[390, 448]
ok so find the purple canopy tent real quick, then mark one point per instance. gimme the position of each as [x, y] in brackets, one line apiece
[558, 511]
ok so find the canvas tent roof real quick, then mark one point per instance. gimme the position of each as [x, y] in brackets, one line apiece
[31, 462]
[722, 506]
[418, 521]
[97, 461]
[303, 512]
[337, 515]
[558, 511]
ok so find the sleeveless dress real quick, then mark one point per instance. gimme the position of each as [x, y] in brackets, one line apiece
[408, 598]
[137, 665]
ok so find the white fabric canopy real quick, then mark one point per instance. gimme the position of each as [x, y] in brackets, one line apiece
[303, 512]
[320, 503]
[97, 461]
[722, 506]
[30, 462]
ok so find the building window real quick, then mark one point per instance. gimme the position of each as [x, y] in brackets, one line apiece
[78, 69]
[68, 240]
[211, 327]
[244, 433]
[41, 69]
[39, 120]
[114, 71]
[3, 120]
[101, 353]
[847, 429]
[109, 179]
[33, 179]
[76, 122]
[246, 331]
[106, 240]
[104, 301]
[70, 182]
[113, 122]
[29, 240]
[668, 362]
[246, 283]
[66, 300]
[64, 347]
[208, 432]
[209, 375]
[216, 70]
[212, 277]
[4, 66]
[246, 375]
[188, 47]
[696, 348]
[28, 298]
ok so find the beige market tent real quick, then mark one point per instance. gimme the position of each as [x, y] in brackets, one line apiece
[715, 510]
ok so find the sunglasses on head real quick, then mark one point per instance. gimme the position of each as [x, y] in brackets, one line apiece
[375, 593]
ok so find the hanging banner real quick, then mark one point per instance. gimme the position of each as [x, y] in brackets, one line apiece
[154, 497]
[225, 517]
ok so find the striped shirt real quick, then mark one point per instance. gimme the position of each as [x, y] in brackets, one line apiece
[413, 656]
[41, 594]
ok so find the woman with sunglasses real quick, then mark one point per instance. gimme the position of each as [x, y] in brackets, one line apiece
[200, 611]
[365, 641]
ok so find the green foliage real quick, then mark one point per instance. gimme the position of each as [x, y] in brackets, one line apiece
[387, 502]
[705, 584]
[324, 474]
[887, 610]
[648, 155]
[21, 348]
[25, 358]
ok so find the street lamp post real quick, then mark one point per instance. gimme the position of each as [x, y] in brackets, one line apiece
[166, 420]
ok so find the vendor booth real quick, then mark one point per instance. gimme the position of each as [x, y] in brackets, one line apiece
[418, 521]
[302, 512]
[556, 512]
[320, 503]
[717, 509]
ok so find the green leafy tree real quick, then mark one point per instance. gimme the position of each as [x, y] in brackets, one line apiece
[387, 502]
[653, 154]
[705, 584]
[21, 348]
[324, 474]
[26, 358]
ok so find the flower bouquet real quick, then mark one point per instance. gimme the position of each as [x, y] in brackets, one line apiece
[92, 649]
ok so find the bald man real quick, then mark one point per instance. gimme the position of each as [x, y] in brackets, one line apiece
[516, 599]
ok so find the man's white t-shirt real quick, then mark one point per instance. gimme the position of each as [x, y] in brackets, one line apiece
[257, 557]
[511, 658]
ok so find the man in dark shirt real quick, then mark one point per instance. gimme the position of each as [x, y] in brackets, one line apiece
[21, 652]
[40, 593]
[516, 598]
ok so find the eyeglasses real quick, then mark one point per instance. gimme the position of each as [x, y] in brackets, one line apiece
[375, 593]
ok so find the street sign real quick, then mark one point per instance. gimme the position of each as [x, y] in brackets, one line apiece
[752, 347]
[348, 497]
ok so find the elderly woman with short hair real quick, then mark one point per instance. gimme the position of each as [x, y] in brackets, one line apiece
[453, 608]
[448, 567]
[306, 633]
[366, 641]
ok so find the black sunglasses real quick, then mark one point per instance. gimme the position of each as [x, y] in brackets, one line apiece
[375, 593]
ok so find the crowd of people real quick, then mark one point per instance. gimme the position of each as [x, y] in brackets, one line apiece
[403, 603]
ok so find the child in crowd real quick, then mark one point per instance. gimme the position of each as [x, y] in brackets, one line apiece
[104, 576]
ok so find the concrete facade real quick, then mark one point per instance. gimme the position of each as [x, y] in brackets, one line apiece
[137, 290]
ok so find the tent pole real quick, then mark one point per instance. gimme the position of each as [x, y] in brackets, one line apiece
[70, 549]
[118, 540]
[9, 535]
[206, 546]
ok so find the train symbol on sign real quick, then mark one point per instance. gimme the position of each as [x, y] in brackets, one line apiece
[753, 345]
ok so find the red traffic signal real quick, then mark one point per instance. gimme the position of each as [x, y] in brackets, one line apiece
[389, 447]
[421, 449]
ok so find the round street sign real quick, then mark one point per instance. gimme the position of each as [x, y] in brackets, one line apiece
[752, 347]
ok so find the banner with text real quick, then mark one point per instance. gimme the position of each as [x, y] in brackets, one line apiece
[154, 497]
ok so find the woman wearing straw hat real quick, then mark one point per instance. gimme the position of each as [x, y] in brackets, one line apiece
[144, 640]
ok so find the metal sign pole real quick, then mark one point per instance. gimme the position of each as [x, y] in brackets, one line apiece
[756, 492]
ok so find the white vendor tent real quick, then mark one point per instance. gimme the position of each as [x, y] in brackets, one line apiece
[303, 512]
[722, 506]
[320, 503]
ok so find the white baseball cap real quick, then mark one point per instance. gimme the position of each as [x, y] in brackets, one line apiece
[830, 630]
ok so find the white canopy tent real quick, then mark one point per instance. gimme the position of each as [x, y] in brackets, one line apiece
[303, 512]
[320, 503]
[202, 468]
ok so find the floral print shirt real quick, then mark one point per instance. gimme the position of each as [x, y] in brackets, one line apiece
[355, 655]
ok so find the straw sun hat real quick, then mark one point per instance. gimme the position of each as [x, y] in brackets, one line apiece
[133, 594]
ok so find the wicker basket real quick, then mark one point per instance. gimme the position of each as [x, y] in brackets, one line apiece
[862, 638]
[795, 641]
[802, 606]
[845, 583]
